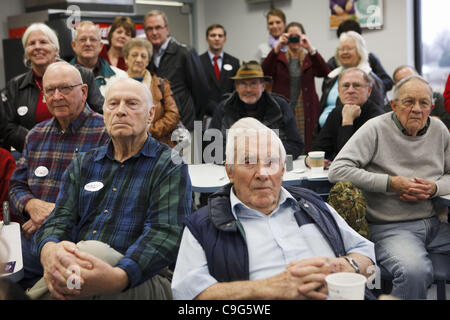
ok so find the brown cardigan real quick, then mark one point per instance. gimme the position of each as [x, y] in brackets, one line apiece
[166, 112]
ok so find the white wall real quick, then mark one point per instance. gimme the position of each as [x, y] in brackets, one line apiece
[246, 28]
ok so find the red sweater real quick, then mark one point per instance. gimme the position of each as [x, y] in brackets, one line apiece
[447, 95]
[121, 64]
[7, 166]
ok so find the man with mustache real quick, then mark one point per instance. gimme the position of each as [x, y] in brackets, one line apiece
[119, 216]
[250, 99]
[401, 160]
[49, 148]
[258, 240]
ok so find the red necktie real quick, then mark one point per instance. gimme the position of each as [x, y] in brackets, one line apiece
[216, 67]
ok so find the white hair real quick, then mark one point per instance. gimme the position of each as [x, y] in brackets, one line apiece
[148, 94]
[89, 24]
[407, 79]
[250, 129]
[49, 33]
[360, 44]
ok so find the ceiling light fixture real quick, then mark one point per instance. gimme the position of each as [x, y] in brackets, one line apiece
[161, 3]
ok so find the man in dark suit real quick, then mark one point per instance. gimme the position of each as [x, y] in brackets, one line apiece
[182, 67]
[218, 70]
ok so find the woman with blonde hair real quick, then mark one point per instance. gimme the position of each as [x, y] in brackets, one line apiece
[351, 52]
[137, 53]
[276, 23]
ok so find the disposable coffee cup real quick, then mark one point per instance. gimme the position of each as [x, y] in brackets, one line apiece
[316, 161]
[346, 286]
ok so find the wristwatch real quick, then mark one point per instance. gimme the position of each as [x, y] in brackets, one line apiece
[353, 264]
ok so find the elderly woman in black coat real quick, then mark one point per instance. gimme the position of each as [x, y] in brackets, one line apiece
[23, 97]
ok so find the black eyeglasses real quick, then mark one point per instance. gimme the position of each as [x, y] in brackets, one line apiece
[357, 86]
[65, 90]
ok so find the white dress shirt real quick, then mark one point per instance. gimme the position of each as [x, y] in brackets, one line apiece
[157, 55]
[273, 242]
[219, 61]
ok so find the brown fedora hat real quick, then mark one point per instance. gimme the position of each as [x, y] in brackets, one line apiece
[250, 70]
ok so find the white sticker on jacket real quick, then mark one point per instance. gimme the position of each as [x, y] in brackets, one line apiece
[93, 186]
[23, 110]
[41, 172]
[228, 67]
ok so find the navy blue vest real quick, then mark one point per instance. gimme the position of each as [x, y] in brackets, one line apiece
[223, 240]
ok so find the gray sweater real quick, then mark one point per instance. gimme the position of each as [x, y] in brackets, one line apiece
[378, 150]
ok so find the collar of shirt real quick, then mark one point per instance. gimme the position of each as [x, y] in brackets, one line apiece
[273, 42]
[76, 124]
[239, 209]
[403, 130]
[160, 52]
[147, 150]
[212, 55]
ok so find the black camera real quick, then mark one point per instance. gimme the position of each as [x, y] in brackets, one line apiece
[294, 38]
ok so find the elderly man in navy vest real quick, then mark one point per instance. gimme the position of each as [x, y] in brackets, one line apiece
[258, 240]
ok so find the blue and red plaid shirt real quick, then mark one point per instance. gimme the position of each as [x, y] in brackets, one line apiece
[47, 153]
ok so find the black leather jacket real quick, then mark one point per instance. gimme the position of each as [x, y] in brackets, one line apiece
[22, 91]
[377, 96]
[274, 111]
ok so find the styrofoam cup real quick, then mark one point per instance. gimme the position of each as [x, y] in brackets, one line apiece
[346, 286]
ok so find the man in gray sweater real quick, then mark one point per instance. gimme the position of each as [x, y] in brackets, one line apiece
[401, 160]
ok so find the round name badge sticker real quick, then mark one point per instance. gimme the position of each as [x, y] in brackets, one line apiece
[22, 110]
[93, 186]
[41, 172]
[228, 67]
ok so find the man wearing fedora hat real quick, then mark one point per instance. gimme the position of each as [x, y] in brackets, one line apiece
[250, 99]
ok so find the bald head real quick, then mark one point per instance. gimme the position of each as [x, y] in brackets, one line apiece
[64, 92]
[116, 86]
[403, 72]
[63, 66]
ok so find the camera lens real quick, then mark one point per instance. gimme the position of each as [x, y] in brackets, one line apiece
[293, 38]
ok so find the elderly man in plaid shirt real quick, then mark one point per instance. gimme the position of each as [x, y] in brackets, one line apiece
[119, 215]
[49, 148]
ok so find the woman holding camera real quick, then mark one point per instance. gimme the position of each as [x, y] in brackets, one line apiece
[293, 74]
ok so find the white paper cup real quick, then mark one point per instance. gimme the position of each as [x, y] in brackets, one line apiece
[316, 161]
[346, 286]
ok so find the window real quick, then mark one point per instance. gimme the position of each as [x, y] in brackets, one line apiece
[434, 29]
